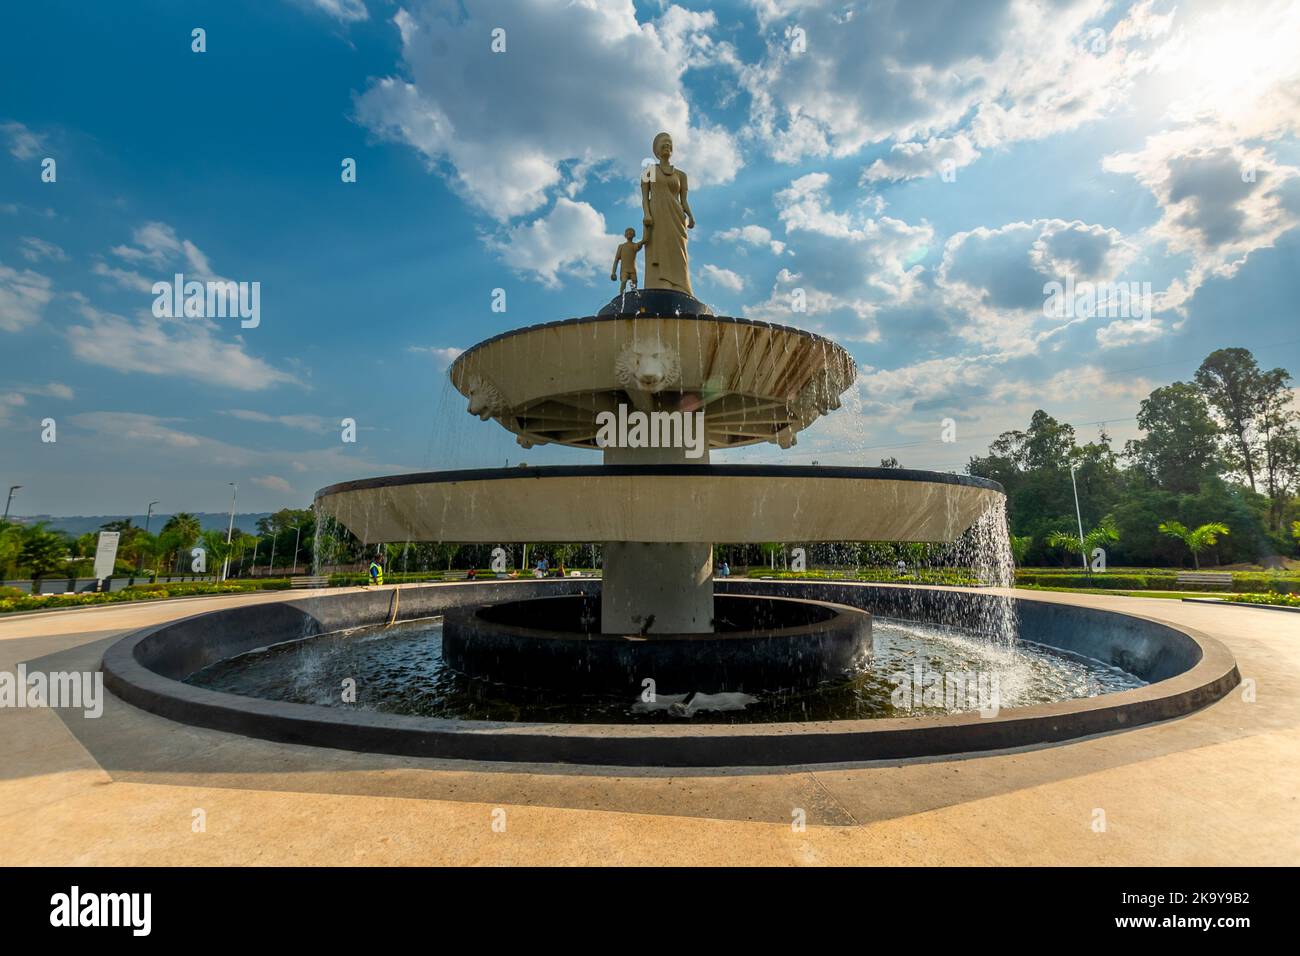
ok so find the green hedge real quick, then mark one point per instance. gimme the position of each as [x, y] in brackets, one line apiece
[135, 592]
[1273, 598]
[1158, 579]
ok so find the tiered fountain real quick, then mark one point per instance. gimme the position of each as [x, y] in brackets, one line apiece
[556, 655]
[635, 381]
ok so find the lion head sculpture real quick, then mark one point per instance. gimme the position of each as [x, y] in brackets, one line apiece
[485, 399]
[648, 366]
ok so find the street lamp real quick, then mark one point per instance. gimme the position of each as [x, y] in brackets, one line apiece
[1079, 517]
[296, 538]
[12, 489]
[147, 516]
[230, 529]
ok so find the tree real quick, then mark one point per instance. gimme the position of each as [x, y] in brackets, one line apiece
[214, 543]
[179, 534]
[1020, 545]
[11, 546]
[1105, 533]
[890, 462]
[1180, 448]
[1280, 442]
[44, 551]
[1205, 536]
[1231, 382]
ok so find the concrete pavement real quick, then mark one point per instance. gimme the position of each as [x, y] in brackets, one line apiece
[1218, 787]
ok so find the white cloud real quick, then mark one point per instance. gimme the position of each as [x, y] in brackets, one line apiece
[848, 261]
[17, 397]
[995, 277]
[1123, 332]
[126, 278]
[751, 235]
[309, 423]
[580, 85]
[23, 143]
[443, 357]
[569, 240]
[272, 483]
[157, 244]
[9, 403]
[345, 11]
[34, 250]
[136, 428]
[911, 71]
[184, 348]
[723, 277]
[916, 160]
[23, 297]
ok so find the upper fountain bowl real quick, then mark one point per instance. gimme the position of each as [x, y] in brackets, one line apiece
[754, 381]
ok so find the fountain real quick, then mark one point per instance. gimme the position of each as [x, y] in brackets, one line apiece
[657, 382]
[658, 664]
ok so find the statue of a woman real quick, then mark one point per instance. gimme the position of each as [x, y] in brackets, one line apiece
[667, 217]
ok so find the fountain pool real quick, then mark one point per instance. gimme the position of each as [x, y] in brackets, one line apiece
[402, 670]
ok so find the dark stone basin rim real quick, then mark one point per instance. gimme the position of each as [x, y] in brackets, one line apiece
[1212, 676]
[663, 471]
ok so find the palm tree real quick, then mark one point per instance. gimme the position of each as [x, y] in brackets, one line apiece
[1206, 536]
[1105, 533]
[214, 543]
[181, 531]
[11, 545]
[44, 551]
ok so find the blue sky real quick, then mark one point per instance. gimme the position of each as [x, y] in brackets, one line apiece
[918, 169]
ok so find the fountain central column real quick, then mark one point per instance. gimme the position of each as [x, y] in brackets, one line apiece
[656, 588]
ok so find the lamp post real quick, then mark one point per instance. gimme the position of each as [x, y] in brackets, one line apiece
[230, 529]
[148, 515]
[12, 489]
[1079, 517]
[296, 538]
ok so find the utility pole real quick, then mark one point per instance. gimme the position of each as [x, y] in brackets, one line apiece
[12, 489]
[230, 529]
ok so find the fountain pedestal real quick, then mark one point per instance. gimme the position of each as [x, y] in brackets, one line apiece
[652, 587]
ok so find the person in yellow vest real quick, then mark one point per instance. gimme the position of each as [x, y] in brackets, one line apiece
[376, 572]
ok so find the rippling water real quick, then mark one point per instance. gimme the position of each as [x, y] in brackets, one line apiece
[400, 670]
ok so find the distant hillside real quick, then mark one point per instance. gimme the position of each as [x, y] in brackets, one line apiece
[78, 525]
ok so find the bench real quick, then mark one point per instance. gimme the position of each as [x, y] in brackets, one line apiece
[1218, 579]
[309, 581]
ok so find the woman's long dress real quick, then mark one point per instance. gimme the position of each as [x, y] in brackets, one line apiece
[667, 265]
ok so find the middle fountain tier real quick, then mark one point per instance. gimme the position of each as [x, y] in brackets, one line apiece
[656, 382]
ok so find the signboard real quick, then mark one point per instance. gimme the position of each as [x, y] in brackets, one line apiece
[106, 553]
